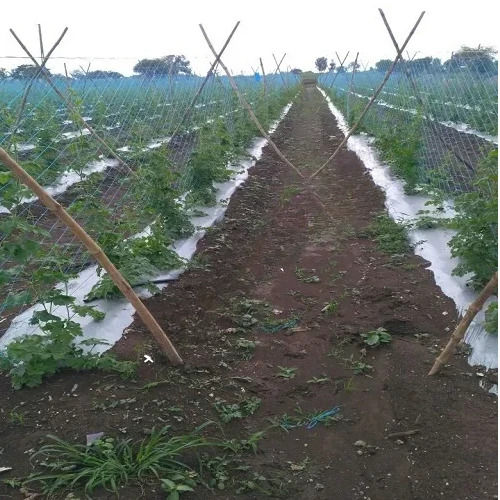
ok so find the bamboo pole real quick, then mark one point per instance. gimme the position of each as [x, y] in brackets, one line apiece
[351, 83]
[372, 100]
[244, 103]
[161, 338]
[263, 75]
[461, 328]
[86, 79]
[209, 74]
[40, 38]
[69, 104]
[68, 82]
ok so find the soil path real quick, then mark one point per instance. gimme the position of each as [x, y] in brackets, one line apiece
[263, 276]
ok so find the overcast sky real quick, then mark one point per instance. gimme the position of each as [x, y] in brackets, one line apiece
[128, 30]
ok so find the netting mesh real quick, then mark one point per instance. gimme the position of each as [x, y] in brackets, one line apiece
[448, 116]
[135, 203]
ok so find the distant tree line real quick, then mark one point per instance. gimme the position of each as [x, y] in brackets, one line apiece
[29, 71]
[170, 65]
[95, 75]
[478, 60]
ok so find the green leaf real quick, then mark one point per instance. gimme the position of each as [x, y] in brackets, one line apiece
[4, 177]
[184, 487]
[20, 252]
[89, 311]
[43, 316]
[7, 274]
[168, 483]
[60, 299]
[491, 318]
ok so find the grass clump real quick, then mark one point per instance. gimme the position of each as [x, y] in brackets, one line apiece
[391, 237]
[231, 411]
[113, 463]
[286, 372]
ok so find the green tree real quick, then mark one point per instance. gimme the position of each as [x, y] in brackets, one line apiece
[478, 60]
[321, 63]
[97, 74]
[383, 65]
[353, 66]
[168, 65]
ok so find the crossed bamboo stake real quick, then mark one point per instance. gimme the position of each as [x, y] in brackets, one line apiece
[419, 99]
[44, 59]
[354, 127]
[278, 65]
[339, 68]
[210, 72]
[42, 70]
[373, 98]
[351, 131]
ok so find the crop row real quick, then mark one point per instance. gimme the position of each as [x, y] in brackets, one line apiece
[159, 188]
[458, 98]
[405, 141]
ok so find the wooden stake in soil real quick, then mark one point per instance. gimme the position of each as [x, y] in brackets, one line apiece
[161, 338]
[263, 75]
[68, 103]
[461, 328]
[249, 109]
[372, 100]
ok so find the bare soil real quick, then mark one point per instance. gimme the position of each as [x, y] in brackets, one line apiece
[277, 245]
